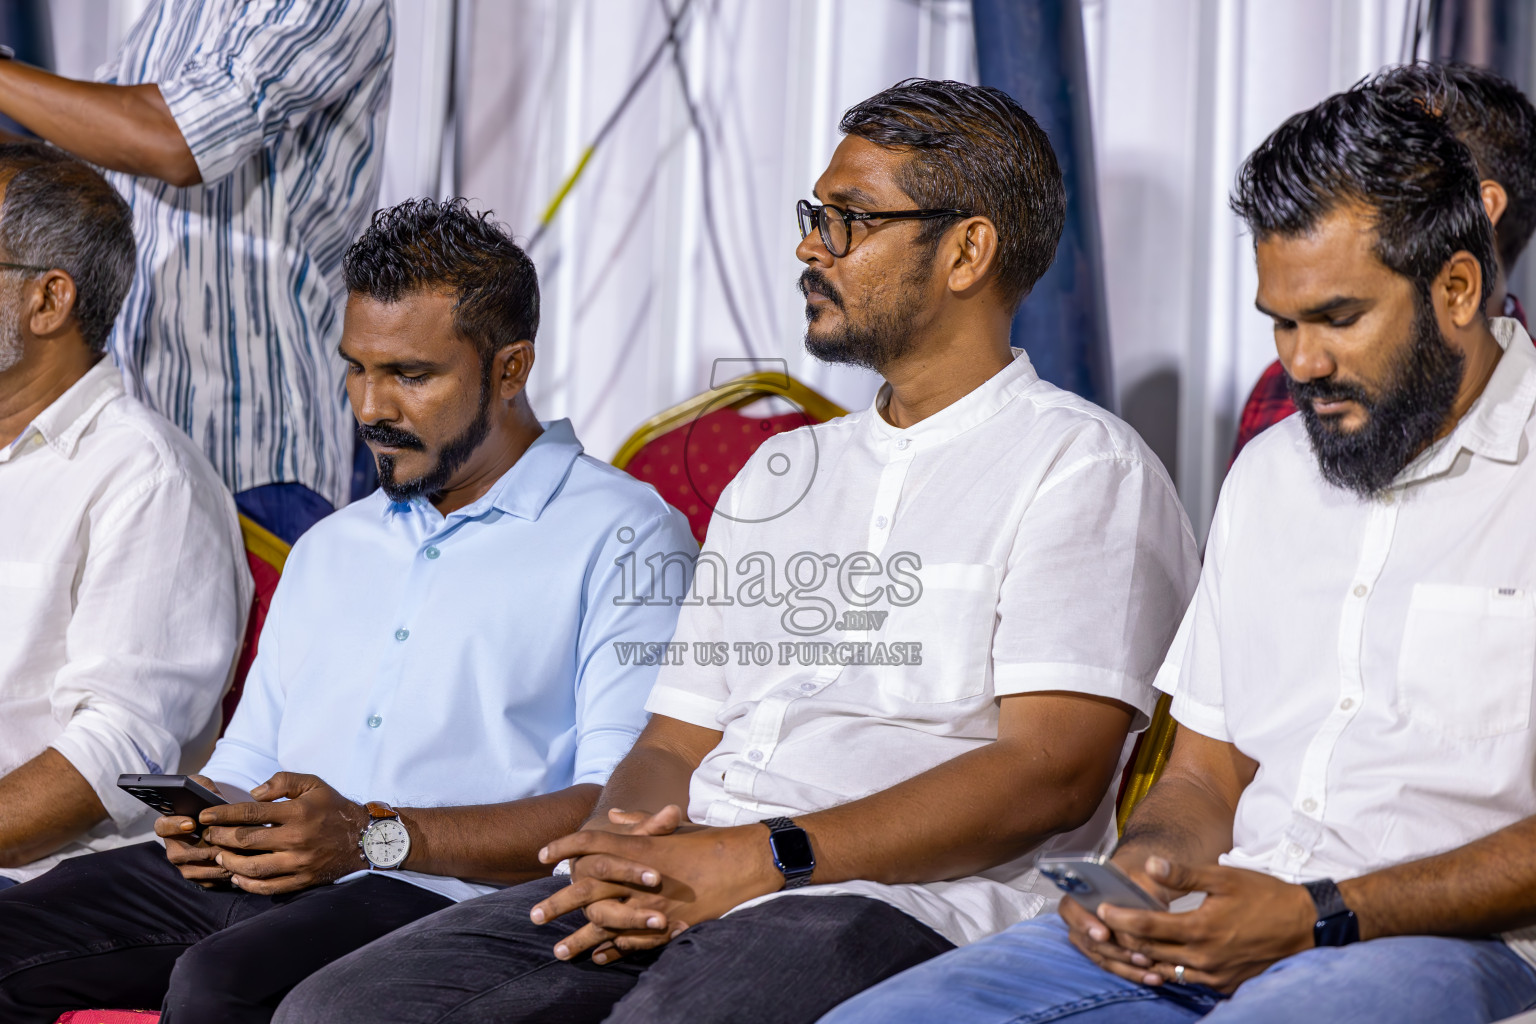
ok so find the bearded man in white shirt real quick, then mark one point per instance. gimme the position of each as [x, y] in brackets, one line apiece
[123, 582]
[918, 639]
[1353, 785]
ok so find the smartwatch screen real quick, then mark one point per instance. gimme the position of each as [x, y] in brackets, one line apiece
[792, 847]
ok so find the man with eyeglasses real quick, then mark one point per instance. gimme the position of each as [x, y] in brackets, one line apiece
[123, 586]
[918, 638]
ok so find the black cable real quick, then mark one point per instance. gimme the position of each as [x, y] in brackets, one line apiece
[708, 189]
[670, 39]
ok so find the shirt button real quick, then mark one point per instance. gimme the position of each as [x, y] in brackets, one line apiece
[1309, 805]
[1360, 589]
[1347, 703]
[1293, 850]
[431, 552]
[902, 443]
[754, 755]
[807, 687]
[1388, 498]
[401, 634]
[880, 522]
[374, 721]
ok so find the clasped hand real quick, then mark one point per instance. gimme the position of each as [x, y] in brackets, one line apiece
[1249, 920]
[641, 879]
[290, 833]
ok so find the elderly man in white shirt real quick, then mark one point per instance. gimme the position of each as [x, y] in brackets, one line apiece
[1354, 782]
[123, 584]
[917, 641]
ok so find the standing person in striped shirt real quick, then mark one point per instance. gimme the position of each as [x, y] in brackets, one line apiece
[246, 137]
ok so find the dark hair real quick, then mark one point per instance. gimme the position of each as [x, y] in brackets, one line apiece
[973, 149]
[61, 214]
[1397, 160]
[1494, 120]
[423, 244]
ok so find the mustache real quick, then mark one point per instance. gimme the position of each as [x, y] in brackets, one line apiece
[813, 280]
[1329, 390]
[389, 436]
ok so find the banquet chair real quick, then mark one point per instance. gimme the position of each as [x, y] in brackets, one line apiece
[692, 450]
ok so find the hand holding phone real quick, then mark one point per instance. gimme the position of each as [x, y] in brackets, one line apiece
[1092, 881]
[173, 796]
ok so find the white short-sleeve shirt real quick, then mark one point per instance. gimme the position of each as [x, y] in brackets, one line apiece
[1376, 657]
[867, 593]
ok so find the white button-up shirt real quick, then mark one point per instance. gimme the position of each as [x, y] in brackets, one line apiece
[123, 597]
[483, 656]
[867, 594]
[1375, 657]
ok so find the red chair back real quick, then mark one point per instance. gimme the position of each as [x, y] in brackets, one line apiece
[692, 450]
[265, 553]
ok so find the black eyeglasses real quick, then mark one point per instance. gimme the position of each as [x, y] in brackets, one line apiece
[25, 266]
[836, 223]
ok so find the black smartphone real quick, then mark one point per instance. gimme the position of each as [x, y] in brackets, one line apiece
[172, 795]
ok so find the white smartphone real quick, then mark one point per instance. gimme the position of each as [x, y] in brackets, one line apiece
[1092, 881]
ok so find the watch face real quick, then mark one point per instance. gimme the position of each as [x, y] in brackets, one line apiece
[386, 843]
[792, 849]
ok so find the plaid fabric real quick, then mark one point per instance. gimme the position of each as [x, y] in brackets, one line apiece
[1270, 401]
[1268, 404]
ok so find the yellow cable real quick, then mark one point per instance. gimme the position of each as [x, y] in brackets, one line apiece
[570, 183]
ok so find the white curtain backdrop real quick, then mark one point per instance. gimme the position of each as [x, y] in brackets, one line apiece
[676, 247]
[653, 270]
[1182, 91]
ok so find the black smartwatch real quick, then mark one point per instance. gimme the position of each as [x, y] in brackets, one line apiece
[1336, 923]
[791, 849]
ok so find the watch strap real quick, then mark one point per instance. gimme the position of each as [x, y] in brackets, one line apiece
[378, 809]
[1325, 897]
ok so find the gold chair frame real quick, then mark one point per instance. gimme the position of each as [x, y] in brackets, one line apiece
[733, 394]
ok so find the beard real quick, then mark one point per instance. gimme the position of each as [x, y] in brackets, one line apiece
[1401, 421]
[449, 458]
[881, 339]
[10, 333]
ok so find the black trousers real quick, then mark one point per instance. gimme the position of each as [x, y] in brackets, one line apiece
[124, 930]
[786, 961]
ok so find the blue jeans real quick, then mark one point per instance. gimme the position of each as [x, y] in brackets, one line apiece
[1031, 974]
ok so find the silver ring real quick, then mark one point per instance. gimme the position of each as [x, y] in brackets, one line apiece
[1178, 974]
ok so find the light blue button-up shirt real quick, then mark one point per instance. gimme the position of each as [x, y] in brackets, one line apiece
[428, 661]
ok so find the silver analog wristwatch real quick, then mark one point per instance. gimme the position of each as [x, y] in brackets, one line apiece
[385, 842]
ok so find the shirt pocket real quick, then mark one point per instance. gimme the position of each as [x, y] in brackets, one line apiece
[952, 619]
[1467, 660]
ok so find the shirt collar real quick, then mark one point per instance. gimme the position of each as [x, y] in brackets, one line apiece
[66, 420]
[957, 417]
[527, 487]
[1495, 425]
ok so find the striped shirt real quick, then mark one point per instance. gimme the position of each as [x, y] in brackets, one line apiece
[231, 325]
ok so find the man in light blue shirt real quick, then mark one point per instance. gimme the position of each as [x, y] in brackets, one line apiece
[447, 650]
